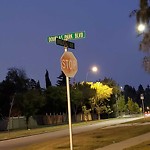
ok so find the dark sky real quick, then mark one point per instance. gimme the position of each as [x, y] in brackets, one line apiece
[111, 40]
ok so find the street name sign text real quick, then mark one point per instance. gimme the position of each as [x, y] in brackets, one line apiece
[68, 36]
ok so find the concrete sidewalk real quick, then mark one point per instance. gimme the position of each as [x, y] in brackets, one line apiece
[127, 143]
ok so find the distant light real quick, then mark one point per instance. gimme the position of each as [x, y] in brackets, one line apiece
[141, 27]
[94, 69]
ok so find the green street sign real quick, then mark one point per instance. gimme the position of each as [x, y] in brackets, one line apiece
[68, 36]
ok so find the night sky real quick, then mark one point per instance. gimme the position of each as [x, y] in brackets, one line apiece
[111, 40]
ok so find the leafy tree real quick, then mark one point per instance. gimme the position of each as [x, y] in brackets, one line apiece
[47, 80]
[32, 84]
[56, 100]
[116, 92]
[130, 92]
[7, 91]
[103, 93]
[38, 86]
[87, 93]
[18, 78]
[31, 102]
[61, 80]
[112, 84]
[121, 105]
[132, 107]
[16, 82]
[76, 96]
[86, 112]
[84, 93]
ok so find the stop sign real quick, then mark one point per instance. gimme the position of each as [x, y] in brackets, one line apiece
[69, 64]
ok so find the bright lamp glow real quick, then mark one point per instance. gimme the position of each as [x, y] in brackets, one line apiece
[94, 69]
[141, 27]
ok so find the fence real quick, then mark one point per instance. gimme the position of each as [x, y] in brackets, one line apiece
[35, 121]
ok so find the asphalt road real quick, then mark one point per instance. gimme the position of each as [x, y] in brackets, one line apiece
[19, 142]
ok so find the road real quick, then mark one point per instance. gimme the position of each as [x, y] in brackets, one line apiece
[23, 141]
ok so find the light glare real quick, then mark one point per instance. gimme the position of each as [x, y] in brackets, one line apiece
[94, 69]
[141, 27]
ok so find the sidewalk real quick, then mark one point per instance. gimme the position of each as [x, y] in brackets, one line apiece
[127, 143]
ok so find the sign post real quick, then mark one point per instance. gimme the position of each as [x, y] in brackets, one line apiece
[69, 106]
[68, 65]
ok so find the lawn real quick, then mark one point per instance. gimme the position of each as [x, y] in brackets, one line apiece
[43, 129]
[92, 139]
[142, 146]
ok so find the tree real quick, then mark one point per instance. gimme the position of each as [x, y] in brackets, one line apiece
[47, 80]
[112, 84]
[87, 93]
[76, 97]
[86, 112]
[130, 92]
[120, 105]
[18, 78]
[16, 81]
[61, 80]
[103, 93]
[6, 93]
[55, 100]
[30, 102]
[32, 84]
[116, 92]
[132, 107]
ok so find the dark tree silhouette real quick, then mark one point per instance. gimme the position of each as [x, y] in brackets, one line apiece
[47, 80]
[61, 80]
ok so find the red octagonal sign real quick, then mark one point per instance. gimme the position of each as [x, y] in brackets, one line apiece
[69, 64]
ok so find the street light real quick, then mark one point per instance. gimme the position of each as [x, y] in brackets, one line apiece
[141, 27]
[142, 98]
[93, 69]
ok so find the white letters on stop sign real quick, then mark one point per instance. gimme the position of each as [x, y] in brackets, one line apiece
[68, 64]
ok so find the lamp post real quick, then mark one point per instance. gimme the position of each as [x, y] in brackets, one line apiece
[142, 98]
[93, 69]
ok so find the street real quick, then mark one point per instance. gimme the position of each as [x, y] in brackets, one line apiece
[19, 142]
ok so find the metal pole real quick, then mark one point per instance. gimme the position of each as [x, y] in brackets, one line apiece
[11, 105]
[69, 110]
[86, 76]
[142, 98]
[143, 106]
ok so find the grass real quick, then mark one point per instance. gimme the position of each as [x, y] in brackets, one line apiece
[142, 146]
[86, 141]
[21, 133]
[143, 120]
[92, 139]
